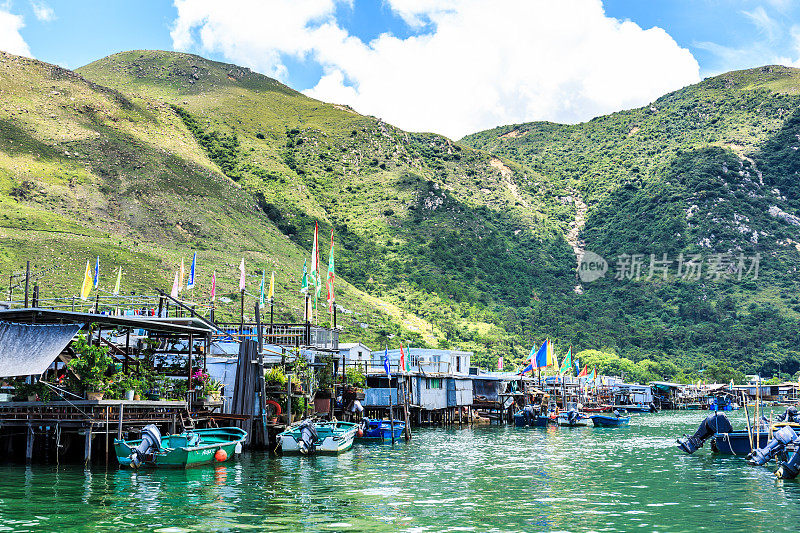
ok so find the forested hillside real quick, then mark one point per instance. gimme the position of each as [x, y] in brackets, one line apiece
[708, 170]
[144, 157]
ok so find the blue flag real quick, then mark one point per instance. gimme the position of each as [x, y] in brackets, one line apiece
[386, 362]
[97, 272]
[541, 357]
[528, 368]
[577, 366]
[190, 284]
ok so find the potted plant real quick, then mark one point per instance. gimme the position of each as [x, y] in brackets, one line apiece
[214, 390]
[274, 377]
[92, 366]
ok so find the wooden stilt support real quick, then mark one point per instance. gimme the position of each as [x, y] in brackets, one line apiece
[87, 447]
[29, 445]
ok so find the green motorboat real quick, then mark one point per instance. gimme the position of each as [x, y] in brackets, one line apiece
[200, 446]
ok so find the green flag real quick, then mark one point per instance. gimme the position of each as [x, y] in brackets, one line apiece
[261, 300]
[304, 282]
[567, 363]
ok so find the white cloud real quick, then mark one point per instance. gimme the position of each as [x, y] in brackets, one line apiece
[770, 27]
[10, 38]
[475, 65]
[43, 12]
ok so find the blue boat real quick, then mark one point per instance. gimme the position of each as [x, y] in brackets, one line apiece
[610, 421]
[371, 430]
[532, 419]
[738, 443]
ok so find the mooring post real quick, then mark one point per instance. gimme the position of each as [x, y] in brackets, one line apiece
[29, 445]
[289, 400]
[87, 447]
[119, 424]
[107, 421]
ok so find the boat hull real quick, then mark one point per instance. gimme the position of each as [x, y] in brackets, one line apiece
[333, 438]
[230, 440]
[575, 424]
[738, 443]
[610, 421]
[537, 421]
[382, 432]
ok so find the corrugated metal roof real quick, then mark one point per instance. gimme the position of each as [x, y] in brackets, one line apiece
[29, 349]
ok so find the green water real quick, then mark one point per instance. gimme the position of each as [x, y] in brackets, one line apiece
[481, 479]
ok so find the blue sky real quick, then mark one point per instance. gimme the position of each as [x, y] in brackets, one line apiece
[451, 66]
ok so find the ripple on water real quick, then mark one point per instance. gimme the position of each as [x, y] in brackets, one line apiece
[483, 479]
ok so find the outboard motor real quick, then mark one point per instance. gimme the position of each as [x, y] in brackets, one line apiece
[653, 408]
[790, 415]
[573, 416]
[308, 436]
[713, 423]
[789, 469]
[529, 414]
[780, 439]
[151, 443]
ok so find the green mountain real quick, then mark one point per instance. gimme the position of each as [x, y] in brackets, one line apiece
[708, 170]
[143, 157]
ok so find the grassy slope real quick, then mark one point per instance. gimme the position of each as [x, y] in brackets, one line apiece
[86, 171]
[435, 229]
[695, 172]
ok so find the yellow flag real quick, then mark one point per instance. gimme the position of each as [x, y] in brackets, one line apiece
[551, 357]
[88, 282]
[119, 279]
[183, 274]
[271, 294]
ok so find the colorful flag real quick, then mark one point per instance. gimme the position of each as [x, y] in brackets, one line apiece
[119, 280]
[593, 377]
[500, 363]
[551, 356]
[86, 288]
[304, 281]
[241, 275]
[528, 368]
[541, 360]
[331, 278]
[271, 293]
[190, 284]
[386, 362]
[577, 366]
[567, 363]
[183, 275]
[176, 285]
[214, 286]
[583, 372]
[261, 290]
[402, 365]
[97, 272]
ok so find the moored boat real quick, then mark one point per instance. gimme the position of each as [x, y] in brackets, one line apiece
[372, 430]
[524, 418]
[572, 419]
[307, 437]
[610, 420]
[191, 448]
[738, 442]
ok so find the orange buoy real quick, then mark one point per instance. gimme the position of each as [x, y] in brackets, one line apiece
[221, 455]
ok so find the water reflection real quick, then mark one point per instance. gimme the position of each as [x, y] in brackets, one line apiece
[487, 478]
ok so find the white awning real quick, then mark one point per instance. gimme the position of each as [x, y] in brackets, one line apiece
[29, 349]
